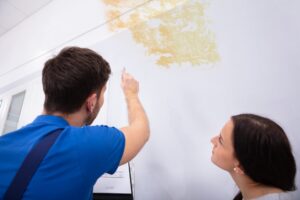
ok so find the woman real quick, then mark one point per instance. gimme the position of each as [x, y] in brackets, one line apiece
[257, 154]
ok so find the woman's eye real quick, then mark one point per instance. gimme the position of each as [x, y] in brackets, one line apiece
[219, 138]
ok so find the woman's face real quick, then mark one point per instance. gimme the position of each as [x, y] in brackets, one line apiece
[223, 151]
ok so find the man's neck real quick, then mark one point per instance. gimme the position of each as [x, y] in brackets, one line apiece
[74, 119]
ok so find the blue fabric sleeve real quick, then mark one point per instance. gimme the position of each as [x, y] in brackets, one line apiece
[100, 150]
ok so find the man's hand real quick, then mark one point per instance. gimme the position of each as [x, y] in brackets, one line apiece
[129, 85]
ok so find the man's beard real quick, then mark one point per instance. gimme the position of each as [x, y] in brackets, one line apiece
[92, 116]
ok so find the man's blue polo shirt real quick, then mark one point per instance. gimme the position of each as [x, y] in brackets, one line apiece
[76, 160]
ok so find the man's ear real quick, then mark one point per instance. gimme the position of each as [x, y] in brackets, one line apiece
[91, 102]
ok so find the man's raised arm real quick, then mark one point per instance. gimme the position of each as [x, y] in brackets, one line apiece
[138, 131]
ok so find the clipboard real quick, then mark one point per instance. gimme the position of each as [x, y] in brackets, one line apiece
[115, 187]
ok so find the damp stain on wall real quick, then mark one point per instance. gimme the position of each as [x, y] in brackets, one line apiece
[174, 31]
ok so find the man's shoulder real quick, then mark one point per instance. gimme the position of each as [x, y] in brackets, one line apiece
[97, 130]
[97, 135]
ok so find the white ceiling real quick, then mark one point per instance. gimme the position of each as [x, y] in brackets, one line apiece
[13, 12]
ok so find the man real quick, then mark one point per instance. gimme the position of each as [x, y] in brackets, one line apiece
[74, 83]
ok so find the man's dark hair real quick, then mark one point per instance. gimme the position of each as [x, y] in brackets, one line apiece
[71, 76]
[264, 151]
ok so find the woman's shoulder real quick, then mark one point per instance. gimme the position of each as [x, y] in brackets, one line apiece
[276, 196]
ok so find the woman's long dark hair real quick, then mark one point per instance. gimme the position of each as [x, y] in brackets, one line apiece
[264, 152]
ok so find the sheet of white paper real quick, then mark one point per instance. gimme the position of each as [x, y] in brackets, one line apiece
[118, 183]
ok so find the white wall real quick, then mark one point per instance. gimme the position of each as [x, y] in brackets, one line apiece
[258, 72]
[25, 48]
[258, 42]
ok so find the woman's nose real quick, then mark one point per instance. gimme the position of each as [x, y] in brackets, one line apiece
[212, 140]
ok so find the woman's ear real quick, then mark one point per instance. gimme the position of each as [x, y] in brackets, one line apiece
[238, 167]
[239, 170]
[91, 102]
